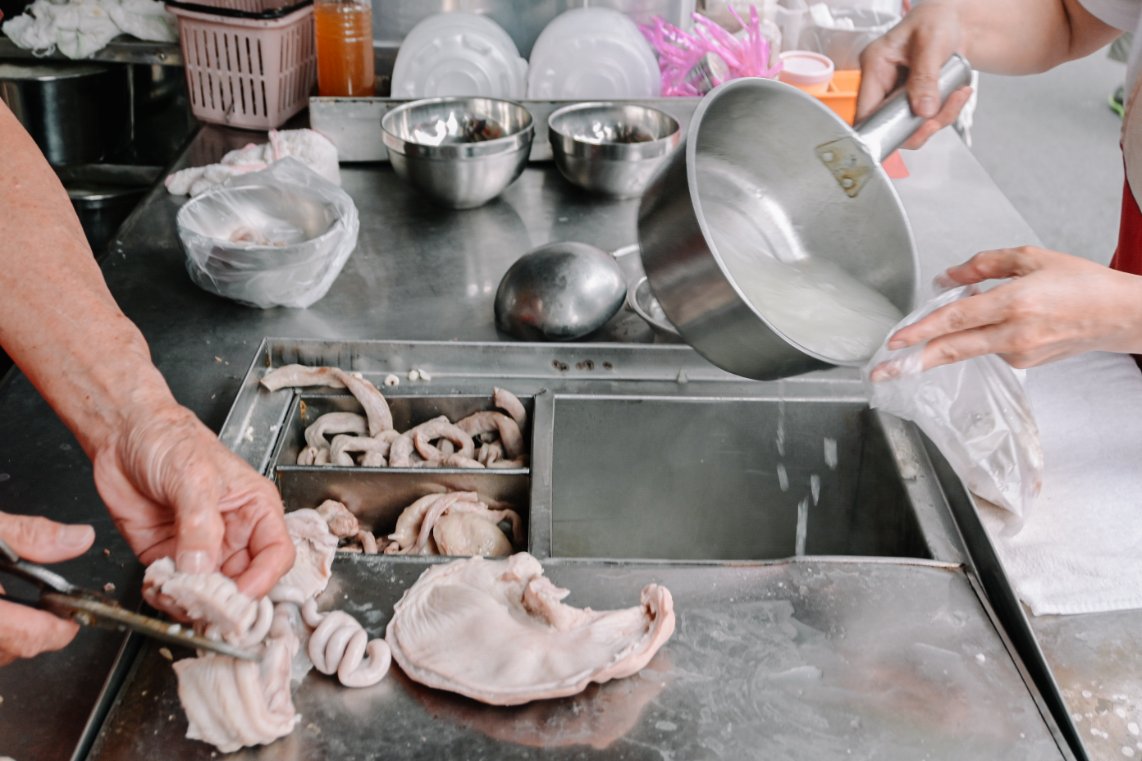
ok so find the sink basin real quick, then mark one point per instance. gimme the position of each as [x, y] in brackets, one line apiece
[745, 479]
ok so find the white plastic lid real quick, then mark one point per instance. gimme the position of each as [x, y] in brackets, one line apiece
[458, 54]
[804, 67]
[590, 54]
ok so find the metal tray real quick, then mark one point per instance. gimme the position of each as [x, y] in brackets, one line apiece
[649, 465]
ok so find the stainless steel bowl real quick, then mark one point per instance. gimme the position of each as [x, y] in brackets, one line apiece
[642, 302]
[461, 152]
[611, 148]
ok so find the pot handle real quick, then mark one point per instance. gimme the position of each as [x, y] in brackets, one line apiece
[893, 123]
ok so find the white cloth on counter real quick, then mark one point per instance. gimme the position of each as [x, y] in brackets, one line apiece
[1080, 547]
[80, 28]
[310, 148]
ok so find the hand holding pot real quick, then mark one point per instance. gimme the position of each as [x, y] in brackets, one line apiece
[919, 45]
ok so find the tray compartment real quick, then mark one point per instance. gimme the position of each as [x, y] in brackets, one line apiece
[726, 479]
[377, 496]
[407, 411]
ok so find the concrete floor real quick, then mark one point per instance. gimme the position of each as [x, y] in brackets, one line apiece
[1051, 144]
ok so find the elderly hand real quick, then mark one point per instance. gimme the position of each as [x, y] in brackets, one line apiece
[24, 631]
[174, 490]
[918, 46]
[1055, 306]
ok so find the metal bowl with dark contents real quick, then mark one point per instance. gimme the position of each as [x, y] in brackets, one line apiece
[461, 152]
[611, 148]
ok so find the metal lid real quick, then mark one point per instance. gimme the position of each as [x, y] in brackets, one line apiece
[49, 71]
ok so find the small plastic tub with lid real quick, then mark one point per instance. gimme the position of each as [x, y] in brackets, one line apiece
[806, 70]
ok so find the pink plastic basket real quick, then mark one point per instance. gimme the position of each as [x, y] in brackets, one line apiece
[247, 72]
[247, 6]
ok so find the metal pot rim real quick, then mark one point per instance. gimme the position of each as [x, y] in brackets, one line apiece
[691, 149]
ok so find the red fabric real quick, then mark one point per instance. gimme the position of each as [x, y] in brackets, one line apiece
[1128, 255]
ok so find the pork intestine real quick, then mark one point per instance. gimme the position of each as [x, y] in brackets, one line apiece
[232, 703]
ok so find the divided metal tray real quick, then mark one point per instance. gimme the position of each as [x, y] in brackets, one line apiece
[824, 604]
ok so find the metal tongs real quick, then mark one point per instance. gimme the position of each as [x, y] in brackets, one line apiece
[89, 608]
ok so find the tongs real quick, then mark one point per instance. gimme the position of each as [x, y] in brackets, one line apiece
[90, 608]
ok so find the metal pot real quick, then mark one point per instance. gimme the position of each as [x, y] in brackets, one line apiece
[104, 195]
[771, 203]
[76, 112]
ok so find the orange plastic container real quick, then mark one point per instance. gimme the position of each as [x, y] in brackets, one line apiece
[841, 97]
[344, 31]
[842, 94]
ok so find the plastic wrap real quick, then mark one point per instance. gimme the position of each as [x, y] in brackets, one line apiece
[976, 412]
[278, 237]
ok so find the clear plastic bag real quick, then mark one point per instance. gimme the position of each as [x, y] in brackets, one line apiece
[976, 412]
[278, 237]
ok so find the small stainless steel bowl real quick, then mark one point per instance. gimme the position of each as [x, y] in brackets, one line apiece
[642, 302]
[611, 148]
[461, 152]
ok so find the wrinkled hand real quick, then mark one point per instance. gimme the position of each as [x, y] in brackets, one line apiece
[26, 632]
[918, 46]
[1055, 306]
[174, 490]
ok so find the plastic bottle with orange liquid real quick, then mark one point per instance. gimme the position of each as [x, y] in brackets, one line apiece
[344, 37]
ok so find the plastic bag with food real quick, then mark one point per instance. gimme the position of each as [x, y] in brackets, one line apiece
[278, 237]
[976, 412]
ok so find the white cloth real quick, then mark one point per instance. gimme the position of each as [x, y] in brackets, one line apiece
[1080, 547]
[1127, 16]
[80, 28]
[310, 148]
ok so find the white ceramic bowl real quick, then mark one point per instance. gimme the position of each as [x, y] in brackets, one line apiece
[458, 54]
[592, 54]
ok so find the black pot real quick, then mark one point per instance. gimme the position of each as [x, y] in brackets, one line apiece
[76, 112]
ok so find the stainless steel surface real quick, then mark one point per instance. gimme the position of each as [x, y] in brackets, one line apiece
[460, 152]
[351, 123]
[993, 578]
[1095, 660]
[76, 112]
[104, 194]
[419, 274]
[120, 50]
[728, 479]
[746, 190]
[806, 660]
[642, 301]
[611, 148]
[559, 292]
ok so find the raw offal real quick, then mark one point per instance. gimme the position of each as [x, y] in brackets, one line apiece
[486, 439]
[449, 523]
[233, 704]
[497, 631]
[314, 545]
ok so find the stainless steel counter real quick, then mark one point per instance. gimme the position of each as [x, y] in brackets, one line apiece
[418, 273]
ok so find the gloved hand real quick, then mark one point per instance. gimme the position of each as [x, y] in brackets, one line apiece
[24, 631]
[174, 490]
[1052, 306]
